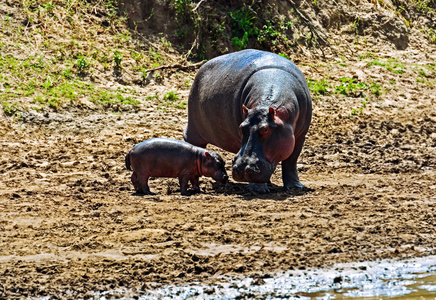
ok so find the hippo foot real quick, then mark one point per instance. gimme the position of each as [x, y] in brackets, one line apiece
[258, 188]
[294, 185]
[186, 192]
[146, 193]
[190, 193]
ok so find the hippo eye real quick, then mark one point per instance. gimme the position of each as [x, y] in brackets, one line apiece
[264, 130]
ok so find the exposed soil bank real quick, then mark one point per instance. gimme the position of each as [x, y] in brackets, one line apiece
[70, 222]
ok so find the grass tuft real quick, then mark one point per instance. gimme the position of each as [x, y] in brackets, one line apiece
[61, 55]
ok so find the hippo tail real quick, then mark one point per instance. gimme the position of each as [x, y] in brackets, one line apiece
[128, 161]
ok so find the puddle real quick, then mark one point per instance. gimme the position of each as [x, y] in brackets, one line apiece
[385, 279]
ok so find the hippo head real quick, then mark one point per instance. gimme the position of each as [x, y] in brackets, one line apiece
[213, 166]
[267, 139]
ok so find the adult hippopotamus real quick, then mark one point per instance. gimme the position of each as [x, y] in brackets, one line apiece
[161, 157]
[255, 104]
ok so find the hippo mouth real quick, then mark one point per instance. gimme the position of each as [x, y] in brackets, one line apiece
[222, 178]
[256, 173]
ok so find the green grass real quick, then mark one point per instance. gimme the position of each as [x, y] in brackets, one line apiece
[348, 87]
[151, 97]
[32, 78]
[318, 87]
[63, 93]
[105, 98]
[359, 110]
[424, 6]
[390, 65]
[171, 96]
[172, 100]
[425, 73]
[39, 68]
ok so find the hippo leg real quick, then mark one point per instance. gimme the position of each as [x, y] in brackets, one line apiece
[142, 183]
[195, 183]
[289, 167]
[183, 181]
[135, 183]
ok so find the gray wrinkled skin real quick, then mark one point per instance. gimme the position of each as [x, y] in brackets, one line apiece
[255, 104]
[161, 157]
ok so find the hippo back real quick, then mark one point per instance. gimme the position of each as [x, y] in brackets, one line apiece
[216, 97]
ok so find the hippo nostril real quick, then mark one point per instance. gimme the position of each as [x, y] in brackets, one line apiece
[252, 169]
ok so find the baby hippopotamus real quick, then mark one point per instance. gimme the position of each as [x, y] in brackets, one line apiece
[162, 157]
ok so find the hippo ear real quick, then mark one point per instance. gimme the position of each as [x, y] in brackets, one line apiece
[272, 112]
[207, 155]
[245, 110]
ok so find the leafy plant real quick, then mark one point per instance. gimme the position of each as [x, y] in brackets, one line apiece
[241, 43]
[111, 8]
[181, 6]
[268, 33]
[171, 96]
[431, 35]
[356, 25]
[366, 55]
[48, 6]
[350, 87]
[355, 111]
[117, 58]
[67, 73]
[375, 89]
[181, 104]
[39, 63]
[82, 64]
[184, 18]
[158, 77]
[424, 5]
[242, 22]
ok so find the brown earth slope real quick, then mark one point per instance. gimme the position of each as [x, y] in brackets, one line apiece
[70, 222]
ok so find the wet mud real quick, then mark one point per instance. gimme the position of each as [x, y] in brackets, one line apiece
[413, 278]
[71, 223]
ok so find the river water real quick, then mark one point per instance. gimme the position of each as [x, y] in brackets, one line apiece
[413, 278]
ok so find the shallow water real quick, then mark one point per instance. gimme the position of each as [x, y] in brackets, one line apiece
[385, 279]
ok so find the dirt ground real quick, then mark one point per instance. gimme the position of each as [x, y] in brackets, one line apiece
[70, 222]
